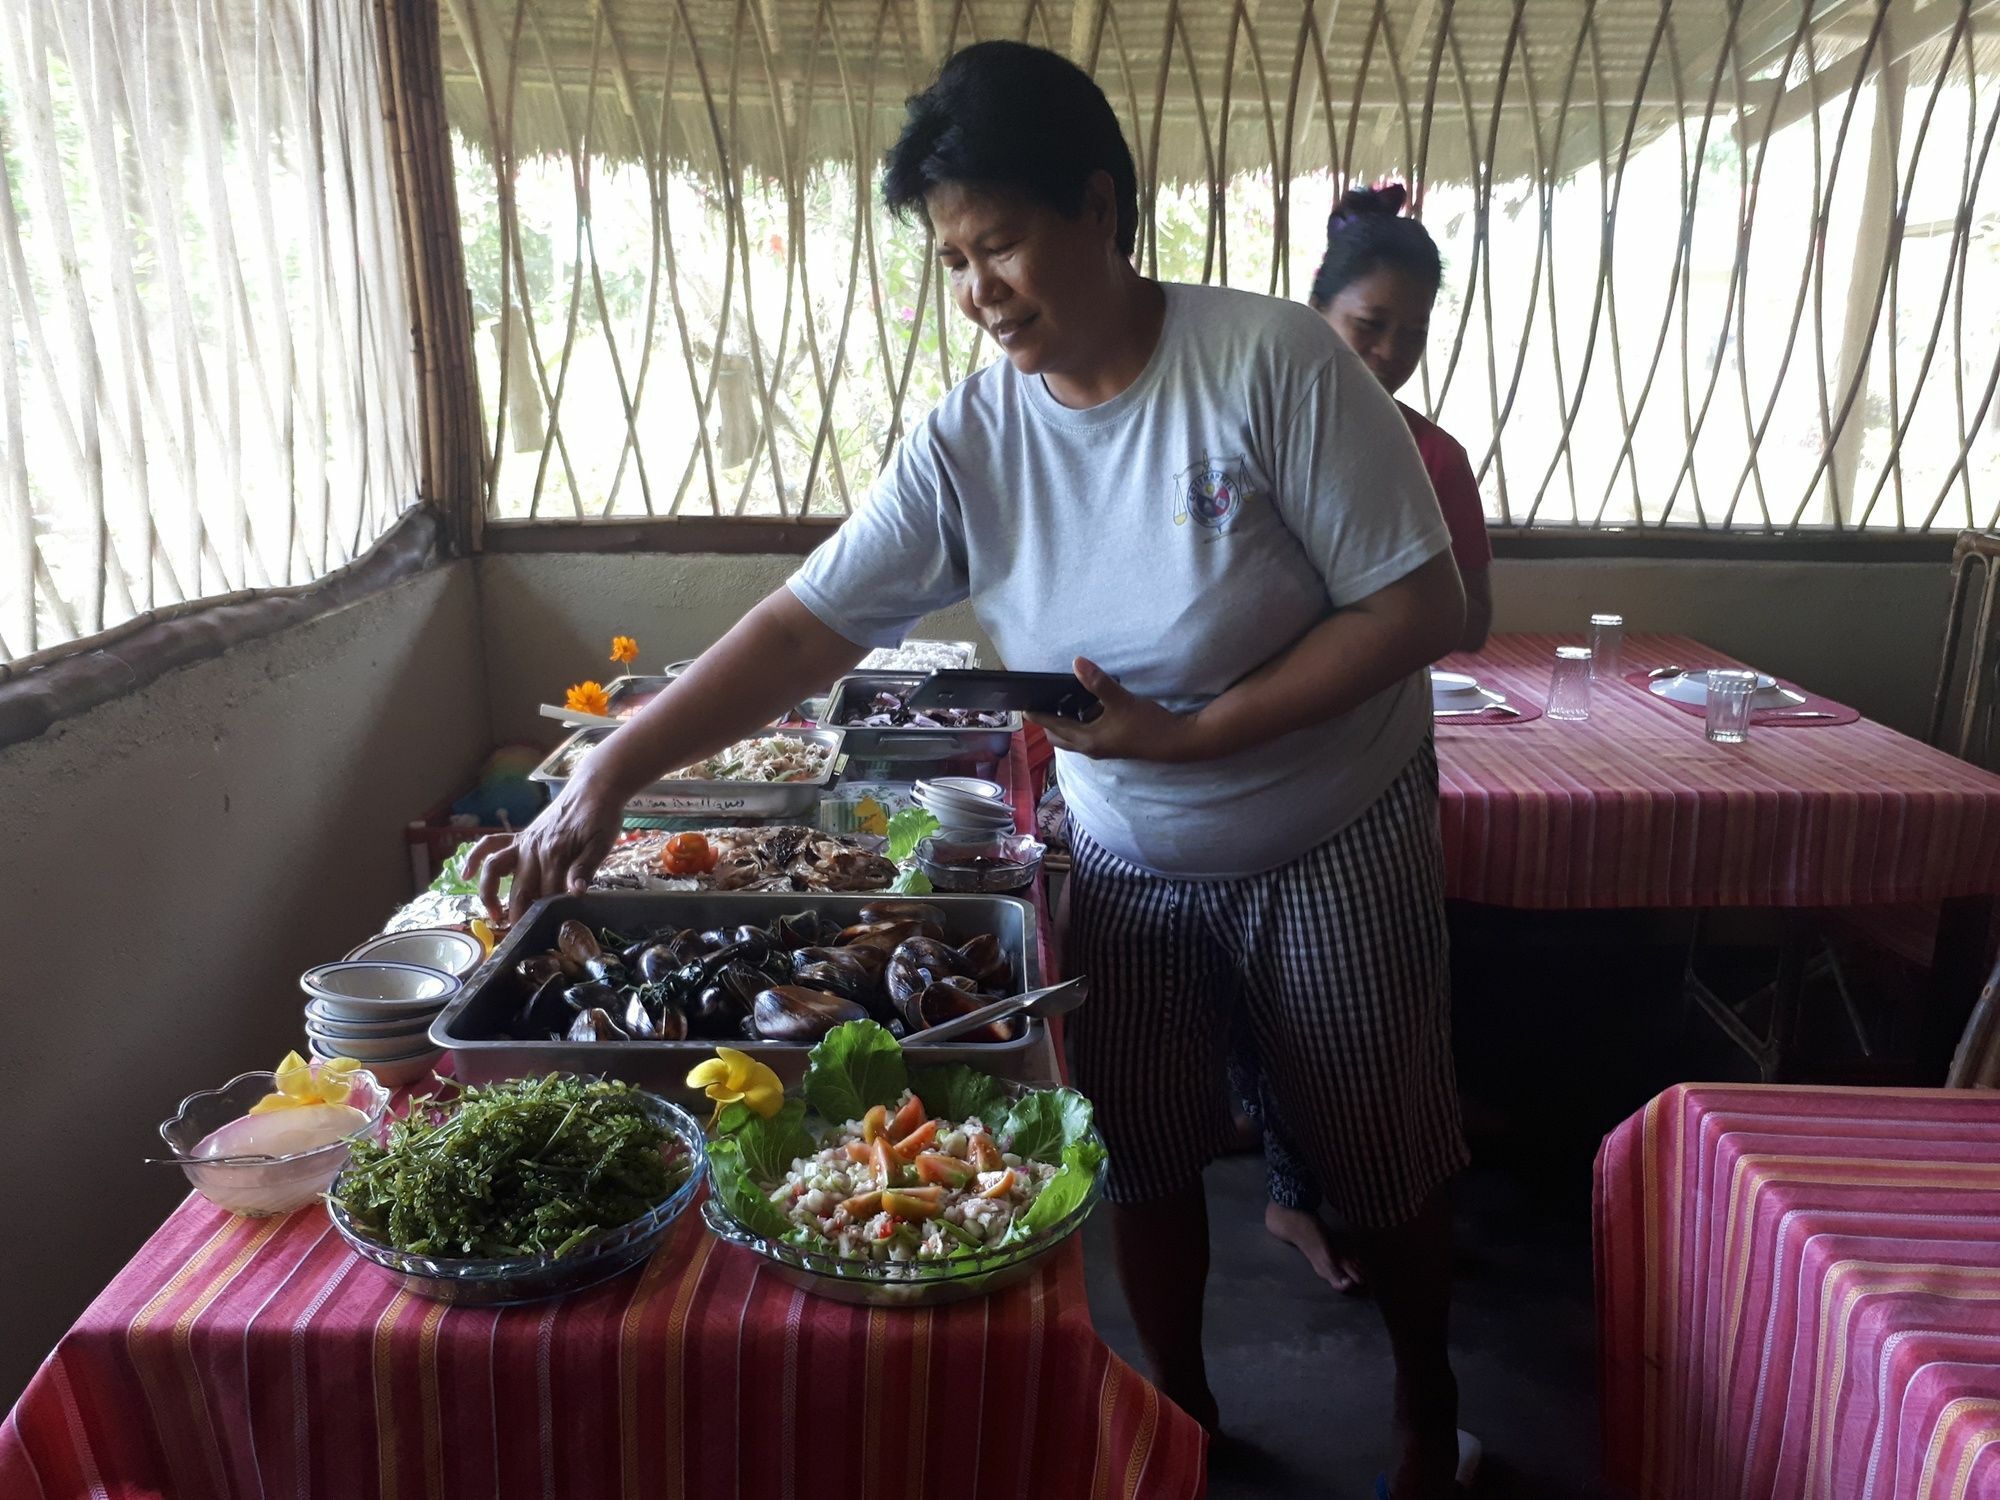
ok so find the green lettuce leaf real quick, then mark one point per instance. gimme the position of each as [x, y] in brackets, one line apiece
[908, 828]
[1064, 1193]
[1042, 1124]
[858, 1064]
[955, 1092]
[911, 883]
[769, 1147]
[731, 1178]
[453, 881]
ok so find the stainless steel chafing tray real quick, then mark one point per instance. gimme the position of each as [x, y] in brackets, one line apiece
[734, 800]
[870, 742]
[474, 1025]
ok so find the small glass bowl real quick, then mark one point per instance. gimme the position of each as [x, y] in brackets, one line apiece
[530, 1278]
[980, 863]
[279, 1184]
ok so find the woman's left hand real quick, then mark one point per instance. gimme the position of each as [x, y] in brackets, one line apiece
[1129, 728]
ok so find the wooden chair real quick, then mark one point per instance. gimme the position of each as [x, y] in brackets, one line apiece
[1965, 706]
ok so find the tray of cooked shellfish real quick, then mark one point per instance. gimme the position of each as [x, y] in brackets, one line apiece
[643, 985]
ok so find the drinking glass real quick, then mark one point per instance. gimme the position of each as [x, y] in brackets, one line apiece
[1729, 705]
[1607, 636]
[1569, 684]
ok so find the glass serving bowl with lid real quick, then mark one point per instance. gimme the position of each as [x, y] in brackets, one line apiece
[980, 863]
[256, 1184]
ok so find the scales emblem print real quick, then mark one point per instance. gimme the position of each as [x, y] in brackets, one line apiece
[1211, 493]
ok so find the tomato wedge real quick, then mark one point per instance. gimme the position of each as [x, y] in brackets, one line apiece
[985, 1155]
[908, 1118]
[863, 1206]
[947, 1171]
[915, 1203]
[888, 1164]
[874, 1121]
[1001, 1188]
[858, 1152]
[917, 1140]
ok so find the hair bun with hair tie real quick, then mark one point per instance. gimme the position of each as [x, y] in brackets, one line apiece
[1386, 199]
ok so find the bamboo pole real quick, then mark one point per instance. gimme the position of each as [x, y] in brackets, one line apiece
[451, 432]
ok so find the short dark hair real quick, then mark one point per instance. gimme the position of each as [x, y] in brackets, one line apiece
[1009, 115]
[1367, 230]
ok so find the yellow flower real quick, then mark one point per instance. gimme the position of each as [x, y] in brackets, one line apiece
[588, 698]
[300, 1083]
[624, 648]
[732, 1077]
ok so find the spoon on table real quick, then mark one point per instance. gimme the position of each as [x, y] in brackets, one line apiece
[1055, 1000]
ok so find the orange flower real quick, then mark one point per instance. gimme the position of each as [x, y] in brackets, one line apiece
[588, 698]
[624, 648]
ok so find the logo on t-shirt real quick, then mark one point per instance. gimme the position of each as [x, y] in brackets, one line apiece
[1211, 493]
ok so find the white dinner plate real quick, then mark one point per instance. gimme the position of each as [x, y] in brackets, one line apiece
[1455, 689]
[1692, 687]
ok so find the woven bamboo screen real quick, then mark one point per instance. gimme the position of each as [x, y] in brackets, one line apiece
[208, 386]
[1709, 264]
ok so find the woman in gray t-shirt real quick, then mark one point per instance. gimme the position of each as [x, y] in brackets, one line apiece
[1202, 502]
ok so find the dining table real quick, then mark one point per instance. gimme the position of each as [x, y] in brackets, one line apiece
[1799, 1294]
[1634, 807]
[250, 1357]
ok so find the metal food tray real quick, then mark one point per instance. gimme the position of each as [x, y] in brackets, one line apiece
[869, 742]
[621, 689]
[723, 799]
[470, 1023]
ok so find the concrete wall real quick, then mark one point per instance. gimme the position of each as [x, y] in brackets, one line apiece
[1867, 634]
[172, 861]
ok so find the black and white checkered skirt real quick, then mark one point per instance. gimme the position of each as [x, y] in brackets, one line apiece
[1335, 966]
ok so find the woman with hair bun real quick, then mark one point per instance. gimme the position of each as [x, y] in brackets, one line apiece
[1375, 287]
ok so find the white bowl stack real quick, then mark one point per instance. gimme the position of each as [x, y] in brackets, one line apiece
[376, 1006]
[966, 805]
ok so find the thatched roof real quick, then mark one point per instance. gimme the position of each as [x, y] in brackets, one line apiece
[769, 87]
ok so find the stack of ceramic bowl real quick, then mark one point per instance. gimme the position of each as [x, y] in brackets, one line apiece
[965, 804]
[376, 1005]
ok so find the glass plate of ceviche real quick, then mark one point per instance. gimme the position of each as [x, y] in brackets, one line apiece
[890, 1184]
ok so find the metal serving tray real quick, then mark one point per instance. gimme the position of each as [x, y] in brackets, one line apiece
[867, 742]
[621, 692]
[725, 799]
[471, 1024]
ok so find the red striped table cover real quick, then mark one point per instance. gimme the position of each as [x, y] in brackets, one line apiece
[240, 1357]
[1635, 808]
[1799, 1294]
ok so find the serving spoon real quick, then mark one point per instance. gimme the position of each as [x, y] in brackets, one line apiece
[1054, 1000]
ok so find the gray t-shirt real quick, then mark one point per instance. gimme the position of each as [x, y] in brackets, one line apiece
[1253, 479]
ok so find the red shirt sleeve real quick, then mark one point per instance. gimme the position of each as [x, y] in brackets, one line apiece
[1457, 491]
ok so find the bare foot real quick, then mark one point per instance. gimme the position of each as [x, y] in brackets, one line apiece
[1306, 1234]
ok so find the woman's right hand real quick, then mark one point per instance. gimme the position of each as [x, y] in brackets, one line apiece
[557, 852]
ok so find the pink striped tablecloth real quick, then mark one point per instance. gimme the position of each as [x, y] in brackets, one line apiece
[1799, 1294]
[1635, 808]
[239, 1357]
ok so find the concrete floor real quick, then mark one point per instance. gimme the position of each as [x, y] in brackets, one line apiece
[1563, 1028]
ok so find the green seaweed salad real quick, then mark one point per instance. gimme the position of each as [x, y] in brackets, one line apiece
[535, 1166]
[859, 1066]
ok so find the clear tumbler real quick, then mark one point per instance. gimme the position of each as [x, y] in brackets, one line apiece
[1729, 705]
[1607, 639]
[1569, 684]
